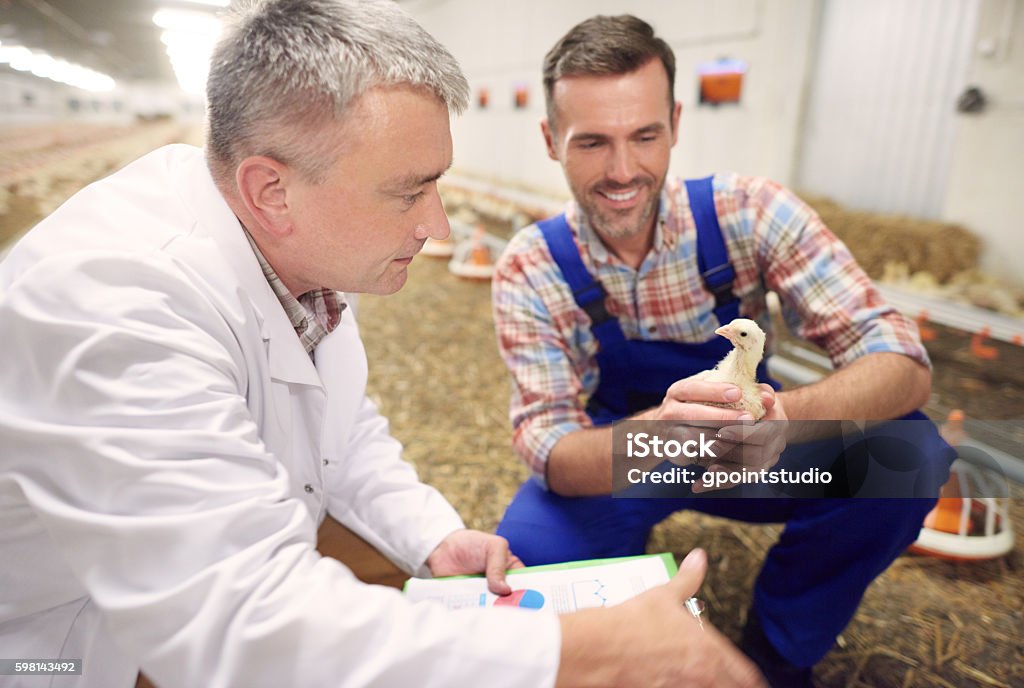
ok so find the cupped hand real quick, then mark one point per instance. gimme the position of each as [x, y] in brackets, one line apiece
[749, 446]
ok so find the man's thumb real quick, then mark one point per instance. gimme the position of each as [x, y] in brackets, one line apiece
[691, 574]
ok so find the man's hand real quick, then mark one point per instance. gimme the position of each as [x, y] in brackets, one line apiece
[746, 445]
[652, 641]
[473, 551]
[751, 446]
[687, 400]
[580, 463]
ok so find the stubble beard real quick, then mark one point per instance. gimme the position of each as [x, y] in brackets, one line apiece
[620, 224]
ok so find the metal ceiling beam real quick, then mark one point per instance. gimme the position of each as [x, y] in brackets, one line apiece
[109, 55]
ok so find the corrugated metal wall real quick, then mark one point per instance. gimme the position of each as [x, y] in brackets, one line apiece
[879, 122]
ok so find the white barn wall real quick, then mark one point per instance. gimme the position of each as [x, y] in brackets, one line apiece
[29, 100]
[986, 185]
[879, 126]
[500, 44]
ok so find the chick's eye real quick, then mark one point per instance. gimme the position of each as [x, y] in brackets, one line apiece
[743, 334]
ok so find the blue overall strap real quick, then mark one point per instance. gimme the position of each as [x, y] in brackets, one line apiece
[712, 257]
[587, 292]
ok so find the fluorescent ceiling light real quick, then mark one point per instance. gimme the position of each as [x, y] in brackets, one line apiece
[15, 54]
[45, 66]
[190, 37]
[184, 20]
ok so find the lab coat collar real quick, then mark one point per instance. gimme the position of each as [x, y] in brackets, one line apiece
[288, 360]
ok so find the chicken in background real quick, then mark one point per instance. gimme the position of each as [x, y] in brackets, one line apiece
[740, 365]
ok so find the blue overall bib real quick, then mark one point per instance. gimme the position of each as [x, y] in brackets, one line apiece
[831, 549]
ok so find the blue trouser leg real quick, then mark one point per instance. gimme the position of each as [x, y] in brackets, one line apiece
[812, 580]
[545, 528]
[815, 575]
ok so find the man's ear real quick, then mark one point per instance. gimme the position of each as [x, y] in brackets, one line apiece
[677, 110]
[261, 183]
[549, 138]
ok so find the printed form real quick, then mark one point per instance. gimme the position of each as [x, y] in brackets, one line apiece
[558, 588]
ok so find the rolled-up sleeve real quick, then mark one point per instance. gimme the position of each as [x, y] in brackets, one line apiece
[550, 378]
[827, 297]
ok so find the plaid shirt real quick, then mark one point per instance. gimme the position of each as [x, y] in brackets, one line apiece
[775, 243]
[314, 315]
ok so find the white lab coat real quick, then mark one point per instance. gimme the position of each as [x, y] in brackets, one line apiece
[168, 449]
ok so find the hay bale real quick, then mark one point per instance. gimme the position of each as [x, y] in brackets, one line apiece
[939, 248]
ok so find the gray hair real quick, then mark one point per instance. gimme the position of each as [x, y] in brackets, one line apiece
[283, 69]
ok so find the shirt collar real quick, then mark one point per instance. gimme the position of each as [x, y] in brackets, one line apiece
[313, 315]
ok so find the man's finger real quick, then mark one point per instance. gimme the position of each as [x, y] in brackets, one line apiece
[494, 568]
[735, 433]
[738, 671]
[691, 574]
[761, 433]
[690, 389]
[699, 414]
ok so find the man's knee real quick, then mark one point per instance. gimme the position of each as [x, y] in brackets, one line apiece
[543, 528]
[870, 522]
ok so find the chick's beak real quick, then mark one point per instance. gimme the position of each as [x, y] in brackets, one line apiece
[727, 332]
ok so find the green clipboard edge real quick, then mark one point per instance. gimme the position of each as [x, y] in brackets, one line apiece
[666, 558]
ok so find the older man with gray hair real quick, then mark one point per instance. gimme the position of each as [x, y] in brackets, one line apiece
[184, 402]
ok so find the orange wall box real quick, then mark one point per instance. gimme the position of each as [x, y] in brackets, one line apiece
[721, 81]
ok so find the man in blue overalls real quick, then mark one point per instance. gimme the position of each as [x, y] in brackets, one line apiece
[603, 312]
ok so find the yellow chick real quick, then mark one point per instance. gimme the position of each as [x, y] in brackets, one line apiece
[740, 365]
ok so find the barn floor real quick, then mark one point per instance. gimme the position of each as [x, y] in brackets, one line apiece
[435, 370]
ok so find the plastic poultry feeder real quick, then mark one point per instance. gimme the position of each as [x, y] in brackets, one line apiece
[967, 523]
[435, 248]
[965, 527]
[475, 257]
